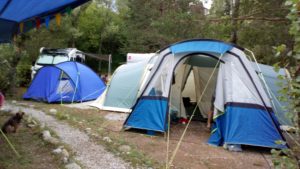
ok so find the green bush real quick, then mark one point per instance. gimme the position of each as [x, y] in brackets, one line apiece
[4, 81]
[6, 53]
[23, 75]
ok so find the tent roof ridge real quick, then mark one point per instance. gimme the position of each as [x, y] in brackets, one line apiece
[203, 39]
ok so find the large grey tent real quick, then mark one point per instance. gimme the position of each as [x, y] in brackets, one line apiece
[244, 112]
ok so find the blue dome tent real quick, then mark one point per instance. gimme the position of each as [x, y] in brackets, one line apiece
[65, 82]
[243, 111]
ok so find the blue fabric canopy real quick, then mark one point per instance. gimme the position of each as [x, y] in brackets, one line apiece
[13, 12]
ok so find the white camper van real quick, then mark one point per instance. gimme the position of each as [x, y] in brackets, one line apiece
[54, 56]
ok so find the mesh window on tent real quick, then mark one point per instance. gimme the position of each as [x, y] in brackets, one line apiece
[65, 86]
[160, 86]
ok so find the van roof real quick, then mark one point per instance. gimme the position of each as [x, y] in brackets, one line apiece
[53, 50]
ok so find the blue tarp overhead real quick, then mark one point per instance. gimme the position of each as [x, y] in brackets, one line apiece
[13, 12]
[65, 82]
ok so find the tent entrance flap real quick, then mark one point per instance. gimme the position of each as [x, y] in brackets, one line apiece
[191, 76]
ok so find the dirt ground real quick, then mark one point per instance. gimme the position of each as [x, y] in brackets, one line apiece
[194, 151]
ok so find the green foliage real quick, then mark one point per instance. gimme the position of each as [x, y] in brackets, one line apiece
[152, 25]
[23, 74]
[282, 159]
[256, 30]
[104, 27]
[286, 158]
[6, 52]
[7, 55]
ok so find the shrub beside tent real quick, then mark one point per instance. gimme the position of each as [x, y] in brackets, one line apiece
[65, 82]
[243, 110]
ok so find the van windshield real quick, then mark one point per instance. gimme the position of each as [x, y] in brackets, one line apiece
[49, 59]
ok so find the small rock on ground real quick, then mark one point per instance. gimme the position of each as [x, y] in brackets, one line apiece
[107, 139]
[53, 140]
[48, 138]
[65, 153]
[57, 151]
[53, 111]
[124, 148]
[65, 160]
[46, 134]
[72, 166]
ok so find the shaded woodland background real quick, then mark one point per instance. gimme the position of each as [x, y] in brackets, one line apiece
[122, 26]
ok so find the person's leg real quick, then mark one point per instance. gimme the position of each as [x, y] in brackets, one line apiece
[209, 119]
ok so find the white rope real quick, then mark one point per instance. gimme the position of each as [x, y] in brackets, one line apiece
[92, 93]
[270, 96]
[200, 98]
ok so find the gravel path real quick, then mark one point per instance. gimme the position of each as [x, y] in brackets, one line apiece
[89, 154]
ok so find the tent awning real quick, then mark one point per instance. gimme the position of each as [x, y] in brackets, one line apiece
[13, 12]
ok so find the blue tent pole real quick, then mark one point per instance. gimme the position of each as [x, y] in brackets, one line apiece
[61, 74]
[76, 85]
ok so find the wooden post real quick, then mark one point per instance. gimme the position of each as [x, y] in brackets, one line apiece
[109, 64]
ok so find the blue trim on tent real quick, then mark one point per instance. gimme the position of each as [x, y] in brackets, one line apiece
[201, 46]
[149, 114]
[154, 98]
[209, 40]
[248, 105]
[271, 113]
[247, 126]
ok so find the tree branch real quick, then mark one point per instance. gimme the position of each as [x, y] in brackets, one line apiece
[275, 19]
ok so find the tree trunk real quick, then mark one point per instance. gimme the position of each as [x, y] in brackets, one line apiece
[234, 22]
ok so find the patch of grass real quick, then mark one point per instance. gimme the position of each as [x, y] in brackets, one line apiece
[62, 116]
[134, 156]
[34, 152]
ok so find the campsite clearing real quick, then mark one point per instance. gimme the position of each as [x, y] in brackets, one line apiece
[150, 151]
